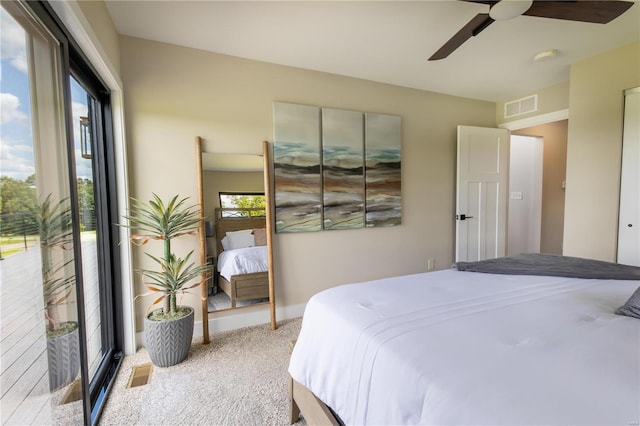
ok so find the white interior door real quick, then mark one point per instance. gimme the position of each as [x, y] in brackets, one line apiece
[629, 218]
[481, 193]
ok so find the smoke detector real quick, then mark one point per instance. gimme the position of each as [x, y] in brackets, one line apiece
[545, 55]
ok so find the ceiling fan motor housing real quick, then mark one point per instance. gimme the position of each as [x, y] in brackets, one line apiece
[509, 9]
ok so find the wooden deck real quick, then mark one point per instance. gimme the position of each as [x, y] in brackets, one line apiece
[24, 380]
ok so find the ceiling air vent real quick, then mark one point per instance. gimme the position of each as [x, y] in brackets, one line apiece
[521, 106]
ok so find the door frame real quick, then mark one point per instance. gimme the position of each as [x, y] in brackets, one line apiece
[536, 120]
[628, 211]
[70, 14]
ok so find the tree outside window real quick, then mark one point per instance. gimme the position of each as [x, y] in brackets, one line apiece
[230, 200]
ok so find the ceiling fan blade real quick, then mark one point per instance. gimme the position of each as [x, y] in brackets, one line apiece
[473, 28]
[599, 12]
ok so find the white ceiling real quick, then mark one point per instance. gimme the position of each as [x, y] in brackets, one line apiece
[385, 41]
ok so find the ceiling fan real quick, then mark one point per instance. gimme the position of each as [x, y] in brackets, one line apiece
[599, 12]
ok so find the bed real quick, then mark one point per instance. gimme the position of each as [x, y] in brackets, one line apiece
[242, 272]
[464, 347]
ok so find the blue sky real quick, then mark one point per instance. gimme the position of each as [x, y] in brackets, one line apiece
[16, 147]
[16, 139]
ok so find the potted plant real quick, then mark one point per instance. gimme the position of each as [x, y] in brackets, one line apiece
[58, 285]
[168, 331]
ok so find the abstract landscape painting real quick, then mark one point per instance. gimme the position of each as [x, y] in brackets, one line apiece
[343, 168]
[383, 135]
[335, 169]
[296, 156]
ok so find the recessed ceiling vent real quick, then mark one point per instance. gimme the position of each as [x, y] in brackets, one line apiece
[521, 106]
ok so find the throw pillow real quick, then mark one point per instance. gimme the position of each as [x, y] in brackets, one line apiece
[632, 306]
[260, 236]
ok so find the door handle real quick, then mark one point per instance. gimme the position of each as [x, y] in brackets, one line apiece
[463, 217]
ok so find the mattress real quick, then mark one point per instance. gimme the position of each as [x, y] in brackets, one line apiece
[243, 261]
[454, 347]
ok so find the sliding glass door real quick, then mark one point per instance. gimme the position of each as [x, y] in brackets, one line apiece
[61, 331]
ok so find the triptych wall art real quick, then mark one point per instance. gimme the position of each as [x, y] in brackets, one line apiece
[335, 169]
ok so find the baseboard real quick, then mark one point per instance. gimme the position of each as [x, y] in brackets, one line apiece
[236, 320]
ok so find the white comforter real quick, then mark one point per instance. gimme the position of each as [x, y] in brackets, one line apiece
[468, 348]
[243, 261]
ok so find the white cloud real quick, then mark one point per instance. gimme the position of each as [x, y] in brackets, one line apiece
[79, 110]
[9, 111]
[12, 42]
[16, 159]
[20, 63]
[84, 167]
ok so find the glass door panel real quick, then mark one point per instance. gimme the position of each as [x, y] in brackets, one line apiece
[80, 107]
[60, 326]
[39, 347]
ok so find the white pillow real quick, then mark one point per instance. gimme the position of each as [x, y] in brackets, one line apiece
[226, 244]
[241, 239]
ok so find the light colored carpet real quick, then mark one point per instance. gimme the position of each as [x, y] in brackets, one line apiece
[240, 378]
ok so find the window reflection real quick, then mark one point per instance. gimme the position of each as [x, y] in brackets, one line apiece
[81, 101]
[59, 346]
[40, 356]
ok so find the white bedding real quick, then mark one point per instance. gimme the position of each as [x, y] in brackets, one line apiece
[453, 347]
[243, 261]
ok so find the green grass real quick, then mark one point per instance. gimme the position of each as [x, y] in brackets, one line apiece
[7, 253]
[15, 244]
[17, 239]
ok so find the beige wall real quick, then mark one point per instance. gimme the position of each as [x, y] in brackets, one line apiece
[550, 99]
[594, 151]
[98, 16]
[553, 174]
[174, 94]
[215, 182]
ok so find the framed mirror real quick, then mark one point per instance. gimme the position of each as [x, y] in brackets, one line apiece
[234, 192]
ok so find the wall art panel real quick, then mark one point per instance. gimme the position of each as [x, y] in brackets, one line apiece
[296, 156]
[383, 172]
[343, 168]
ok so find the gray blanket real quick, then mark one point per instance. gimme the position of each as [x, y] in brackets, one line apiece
[552, 265]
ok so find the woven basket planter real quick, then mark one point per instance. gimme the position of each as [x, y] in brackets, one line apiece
[168, 342]
[63, 356]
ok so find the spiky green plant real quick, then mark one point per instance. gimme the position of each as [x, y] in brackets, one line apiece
[157, 220]
[58, 278]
